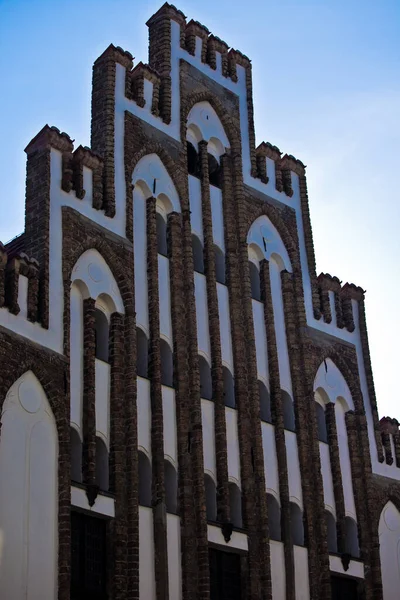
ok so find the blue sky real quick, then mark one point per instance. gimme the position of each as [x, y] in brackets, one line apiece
[326, 78]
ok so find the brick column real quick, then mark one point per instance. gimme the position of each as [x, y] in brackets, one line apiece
[215, 343]
[157, 420]
[277, 419]
[89, 394]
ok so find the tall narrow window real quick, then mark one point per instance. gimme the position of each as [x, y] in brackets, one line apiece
[229, 388]
[352, 546]
[331, 531]
[296, 523]
[171, 487]
[167, 364]
[235, 504]
[214, 171]
[288, 411]
[142, 353]
[144, 468]
[102, 477]
[254, 281]
[198, 257]
[76, 456]
[101, 335]
[211, 498]
[205, 379]
[88, 557]
[219, 264]
[321, 423]
[225, 575]
[193, 163]
[274, 518]
[162, 245]
[265, 402]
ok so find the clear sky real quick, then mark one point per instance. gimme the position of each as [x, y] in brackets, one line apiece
[326, 78]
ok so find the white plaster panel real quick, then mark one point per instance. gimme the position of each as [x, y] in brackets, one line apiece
[76, 356]
[174, 556]
[389, 540]
[147, 582]
[23, 296]
[278, 570]
[344, 457]
[102, 393]
[332, 305]
[207, 421]
[265, 236]
[232, 440]
[293, 464]
[204, 117]
[270, 458]
[301, 573]
[28, 503]
[144, 414]
[356, 569]
[329, 497]
[238, 540]
[140, 254]
[217, 217]
[165, 297]
[196, 215]
[280, 328]
[148, 93]
[225, 325]
[203, 335]
[169, 422]
[104, 505]
[260, 335]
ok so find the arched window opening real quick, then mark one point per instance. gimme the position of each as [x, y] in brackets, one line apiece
[352, 546]
[198, 257]
[265, 402]
[229, 388]
[321, 423]
[219, 265]
[297, 525]
[142, 353]
[193, 162]
[211, 498]
[167, 364]
[235, 504]
[205, 379]
[274, 518]
[101, 335]
[102, 478]
[171, 487]
[288, 412]
[331, 532]
[255, 281]
[162, 244]
[76, 456]
[214, 171]
[144, 468]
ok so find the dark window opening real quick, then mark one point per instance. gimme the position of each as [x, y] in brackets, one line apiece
[331, 532]
[171, 487]
[198, 256]
[288, 412]
[76, 456]
[229, 388]
[274, 518]
[193, 161]
[225, 576]
[101, 335]
[88, 558]
[219, 265]
[344, 589]
[144, 468]
[162, 244]
[235, 504]
[297, 525]
[205, 379]
[321, 423]
[254, 281]
[142, 352]
[265, 402]
[352, 546]
[211, 498]
[214, 171]
[167, 364]
[102, 468]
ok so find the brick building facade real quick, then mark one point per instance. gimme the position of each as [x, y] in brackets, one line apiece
[188, 410]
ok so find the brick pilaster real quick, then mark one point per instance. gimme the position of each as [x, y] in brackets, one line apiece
[89, 393]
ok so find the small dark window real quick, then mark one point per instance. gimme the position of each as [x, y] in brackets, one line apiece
[321, 423]
[288, 412]
[265, 402]
[225, 576]
[162, 245]
[102, 477]
[344, 588]
[193, 162]
[171, 487]
[205, 379]
[198, 256]
[296, 523]
[88, 558]
[352, 546]
[331, 532]
[144, 467]
[167, 364]
[211, 498]
[214, 171]
[219, 264]
[76, 456]
[235, 504]
[274, 518]
[142, 353]
[229, 388]
[254, 281]
[101, 335]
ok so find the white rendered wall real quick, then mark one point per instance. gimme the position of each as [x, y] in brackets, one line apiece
[29, 498]
[165, 298]
[270, 458]
[207, 422]
[301, 573]
[203, 335]
[144, 414]
[278, 570]
[261, 341]
[232, 444]
[225, 325]
[389, 539]
[169, 423]
[147, 582]
[293, 464]
[23, 296]
[174, 556]
[329, 497]
[344, 457]
[140, 254]
[217, 216]
[102, 393]
[76, 356]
